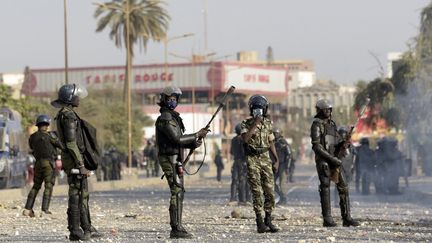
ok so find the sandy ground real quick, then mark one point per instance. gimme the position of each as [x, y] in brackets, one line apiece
[139, 213]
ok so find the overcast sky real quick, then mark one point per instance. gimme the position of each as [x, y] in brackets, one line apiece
[336, 34]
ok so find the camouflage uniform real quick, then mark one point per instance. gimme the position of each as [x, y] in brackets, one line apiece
[44, 150]
[260, 172]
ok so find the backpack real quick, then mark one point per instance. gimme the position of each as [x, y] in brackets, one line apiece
[91, 153]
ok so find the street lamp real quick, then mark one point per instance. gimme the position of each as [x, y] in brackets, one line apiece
[166, 40]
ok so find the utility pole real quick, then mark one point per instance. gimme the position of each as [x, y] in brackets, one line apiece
[65, 42]
[129, 75]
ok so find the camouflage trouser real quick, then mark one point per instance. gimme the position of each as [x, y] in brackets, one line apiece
[78, 199]
[175, 183]
[261, 181]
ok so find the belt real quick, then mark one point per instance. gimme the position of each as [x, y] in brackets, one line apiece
[256, 151]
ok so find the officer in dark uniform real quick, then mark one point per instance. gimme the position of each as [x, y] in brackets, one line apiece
[258, 137]
[364, 167]
[43, 145]
[115, 163]
[291, 166]
[171, 142]
[239, 168]
[324, 138]
[68, 125]
[284, 153]
[381, 165]
[219, 163]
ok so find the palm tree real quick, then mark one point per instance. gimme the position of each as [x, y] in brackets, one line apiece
[131, 22]
[148, 20]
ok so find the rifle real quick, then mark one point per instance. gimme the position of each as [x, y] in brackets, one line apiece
[207, 127]
[341, 148]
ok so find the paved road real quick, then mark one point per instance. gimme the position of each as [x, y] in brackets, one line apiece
[141, 214]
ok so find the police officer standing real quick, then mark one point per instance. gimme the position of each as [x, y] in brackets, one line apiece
[365, 161]
[239, 169]
[324, 138]
[284, 154]
[69, 129]
[43, 145]
[259, 139]
[171, 142]
[218, 162]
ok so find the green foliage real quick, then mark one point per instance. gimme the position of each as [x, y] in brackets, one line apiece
[28, 107]
[105, 110]
[148, 21]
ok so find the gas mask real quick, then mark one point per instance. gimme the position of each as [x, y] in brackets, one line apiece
[171, 104]
[257, 112]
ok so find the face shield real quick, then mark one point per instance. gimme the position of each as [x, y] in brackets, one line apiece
[80, 91]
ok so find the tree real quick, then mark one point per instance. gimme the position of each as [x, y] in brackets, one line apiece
[28, 107]
[148, 20]
[103, 109]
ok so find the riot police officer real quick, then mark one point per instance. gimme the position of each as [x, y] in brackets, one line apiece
[239, 168]
[324, 138]
[43, 145]
[365, 162]
[284, 154]
[69, 129]
[259, 139]
[171, 142]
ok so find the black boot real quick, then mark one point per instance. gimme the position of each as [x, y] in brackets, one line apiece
[45, 204]
[345, 210]
[326, 208]
[177, 230]
[268, 222]
[261, 226]
[28, 208]
[76, 233]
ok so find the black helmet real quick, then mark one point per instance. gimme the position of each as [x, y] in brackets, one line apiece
[43, 120]
[67, 93]
[238, 129]
[258, 102]
[364, 141]
[323, 104]
[276, 130]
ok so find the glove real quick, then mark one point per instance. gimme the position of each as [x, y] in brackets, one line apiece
[202, 133]
[336, 162]
[83, 170]
[198, 143]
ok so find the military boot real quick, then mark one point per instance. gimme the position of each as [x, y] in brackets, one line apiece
[28, 208]
[45, 204]
[89, 230]
[268, 222]
[344, 204]
[76, 234]
[261, 226]
[326, 208]
[177, 230]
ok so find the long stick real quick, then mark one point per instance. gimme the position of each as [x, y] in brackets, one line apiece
[221, 105]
